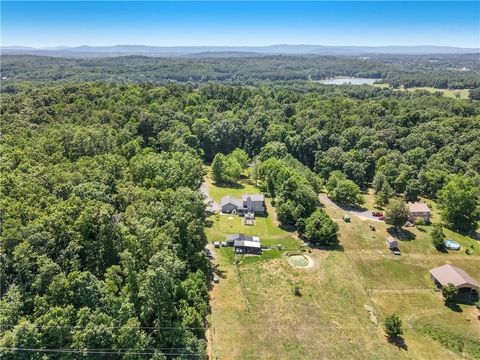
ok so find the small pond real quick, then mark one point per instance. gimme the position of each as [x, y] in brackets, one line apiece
[298, 260]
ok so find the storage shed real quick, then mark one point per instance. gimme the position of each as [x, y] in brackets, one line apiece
[247, 247]
[392, 243]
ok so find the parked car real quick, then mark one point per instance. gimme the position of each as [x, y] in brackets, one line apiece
[396, 251]
[216, 279]
[377, 213]
[381, 218]
[216, 244]
[346, 218]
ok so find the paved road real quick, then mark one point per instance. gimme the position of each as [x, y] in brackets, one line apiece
[367, 214]
[212, 205]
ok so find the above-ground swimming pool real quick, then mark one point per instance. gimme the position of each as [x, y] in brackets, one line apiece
[452, 245]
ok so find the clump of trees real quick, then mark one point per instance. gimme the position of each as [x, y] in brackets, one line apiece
[396, 213]
[383, 190]
[343, 190]
[320, 229]
[229, 168]
[459, 203]
[287, 183]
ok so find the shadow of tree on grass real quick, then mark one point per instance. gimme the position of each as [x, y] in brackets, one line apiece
[401, 234]
[399, 342]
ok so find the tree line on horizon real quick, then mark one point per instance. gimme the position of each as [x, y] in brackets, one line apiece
[443, 72]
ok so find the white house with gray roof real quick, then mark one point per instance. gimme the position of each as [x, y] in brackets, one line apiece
[244, 244]
[249, 203]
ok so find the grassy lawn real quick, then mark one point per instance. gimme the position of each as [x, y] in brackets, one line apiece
[256, 315]
[218, 191]
[453, 93]
[328, 321]
[402, 285]
[265, 226]
[255, 298]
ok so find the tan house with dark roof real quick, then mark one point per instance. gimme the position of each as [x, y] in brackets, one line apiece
[418, 210]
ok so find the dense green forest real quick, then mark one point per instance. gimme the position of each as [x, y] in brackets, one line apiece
[440, 71]
[102, 221]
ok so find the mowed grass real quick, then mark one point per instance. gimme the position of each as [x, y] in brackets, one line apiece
[427, 308]
[269, 322]
[217, 191]
[264, 226]
[401, 284]
[256, 315]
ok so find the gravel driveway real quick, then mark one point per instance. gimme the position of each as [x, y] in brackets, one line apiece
[362, 214]
[212, 206]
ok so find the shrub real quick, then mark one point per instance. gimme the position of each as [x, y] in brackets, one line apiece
[420, 221]
[393, 326]
[449, 293]
[438, 238]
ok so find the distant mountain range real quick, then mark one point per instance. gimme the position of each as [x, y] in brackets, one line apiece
[122, 50]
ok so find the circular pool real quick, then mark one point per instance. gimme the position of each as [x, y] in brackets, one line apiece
[452, 245]
[298, 260]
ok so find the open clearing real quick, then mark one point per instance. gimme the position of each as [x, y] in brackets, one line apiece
[453, 93]
[256, 315]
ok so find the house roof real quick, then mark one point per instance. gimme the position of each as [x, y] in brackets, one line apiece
[418, 207]
[253, 197]
[246, 243]
[391, 239]
[243, 237]
[449, 274]
[231, 200]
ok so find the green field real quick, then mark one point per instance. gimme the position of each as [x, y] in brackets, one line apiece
[453, 93]
[218, 191]
[256, 315]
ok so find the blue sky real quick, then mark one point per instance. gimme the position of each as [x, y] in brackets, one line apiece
[71, 23]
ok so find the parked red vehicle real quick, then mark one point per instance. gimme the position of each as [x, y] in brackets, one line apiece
[381, 218]
[377, 213]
